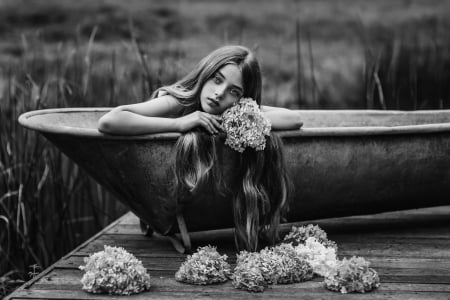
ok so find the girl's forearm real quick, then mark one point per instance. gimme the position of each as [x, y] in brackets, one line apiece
[283, 119]
[128, 123]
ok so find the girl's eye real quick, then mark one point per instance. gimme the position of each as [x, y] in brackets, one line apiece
[236, 93]
[217, 79]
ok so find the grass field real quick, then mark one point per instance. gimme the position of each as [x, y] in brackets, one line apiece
[59, 53]
[174, 35]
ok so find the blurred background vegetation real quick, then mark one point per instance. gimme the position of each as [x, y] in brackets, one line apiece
[329, 54]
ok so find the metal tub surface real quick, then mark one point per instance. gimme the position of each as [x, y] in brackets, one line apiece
[342, 162]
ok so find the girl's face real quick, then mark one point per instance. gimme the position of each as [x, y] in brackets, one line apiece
[222, 90]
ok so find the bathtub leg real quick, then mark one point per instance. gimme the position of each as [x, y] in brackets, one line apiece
[146, 230]
[176, 243]
[183, 246]
[184, 232]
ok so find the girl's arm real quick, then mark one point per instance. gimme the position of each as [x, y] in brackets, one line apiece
[154, 116]
[282, 118]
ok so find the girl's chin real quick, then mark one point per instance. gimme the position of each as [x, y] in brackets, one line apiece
[210, 110]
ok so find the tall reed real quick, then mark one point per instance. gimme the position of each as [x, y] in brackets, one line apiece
[407, 71]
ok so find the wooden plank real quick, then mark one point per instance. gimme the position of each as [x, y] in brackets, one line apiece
[394, 251]
[128, 218]
[425, 231]
[273, 293]
[406, 218]
[340, 238]
[312, 289]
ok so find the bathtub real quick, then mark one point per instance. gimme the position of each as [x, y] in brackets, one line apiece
[342, 162]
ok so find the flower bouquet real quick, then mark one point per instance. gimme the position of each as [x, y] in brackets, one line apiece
[206, 266]
[276, 265]
[245, 126]
[248, 274]
[353, 275]
[114, 271]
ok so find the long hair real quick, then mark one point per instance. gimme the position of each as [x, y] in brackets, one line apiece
[259, 189]
[261, 197]
[195, 169]
[187, 90]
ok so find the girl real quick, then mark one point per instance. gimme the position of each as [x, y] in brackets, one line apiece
[196, 102]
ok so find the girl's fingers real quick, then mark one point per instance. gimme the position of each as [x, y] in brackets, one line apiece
[207, 125]
[208, 121]
[215, 120]
[216, 124]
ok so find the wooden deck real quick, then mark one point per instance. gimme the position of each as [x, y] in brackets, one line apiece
[409, 249]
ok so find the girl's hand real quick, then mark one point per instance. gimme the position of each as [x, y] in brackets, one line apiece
[199, 118]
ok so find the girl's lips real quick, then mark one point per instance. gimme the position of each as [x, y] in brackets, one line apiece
[213, 102]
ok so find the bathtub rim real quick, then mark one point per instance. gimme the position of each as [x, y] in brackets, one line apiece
[25, 119]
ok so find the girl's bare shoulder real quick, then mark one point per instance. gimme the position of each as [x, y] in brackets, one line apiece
[168, 104]
[164, 106]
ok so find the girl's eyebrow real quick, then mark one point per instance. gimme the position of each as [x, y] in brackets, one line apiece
[234, 85]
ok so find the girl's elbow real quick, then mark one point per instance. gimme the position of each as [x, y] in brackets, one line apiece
[295, 125]
[109, 121]
[298, 123]
[104, 124]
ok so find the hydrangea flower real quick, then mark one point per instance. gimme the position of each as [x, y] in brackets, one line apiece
[298, 235]
[277, 265]
[353, 275]
[245, 126]
[293, 267]
[322, 259]
[206, 266]
[248, 274]
[114, 271]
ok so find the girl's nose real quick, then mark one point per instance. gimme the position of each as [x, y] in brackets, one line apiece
[220, 90]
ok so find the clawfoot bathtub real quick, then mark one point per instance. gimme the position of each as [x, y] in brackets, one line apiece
[341, 163]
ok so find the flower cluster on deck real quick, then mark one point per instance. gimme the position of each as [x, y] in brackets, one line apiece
[276, 265]
[206, 266]
[353, 275]
[114, 271]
